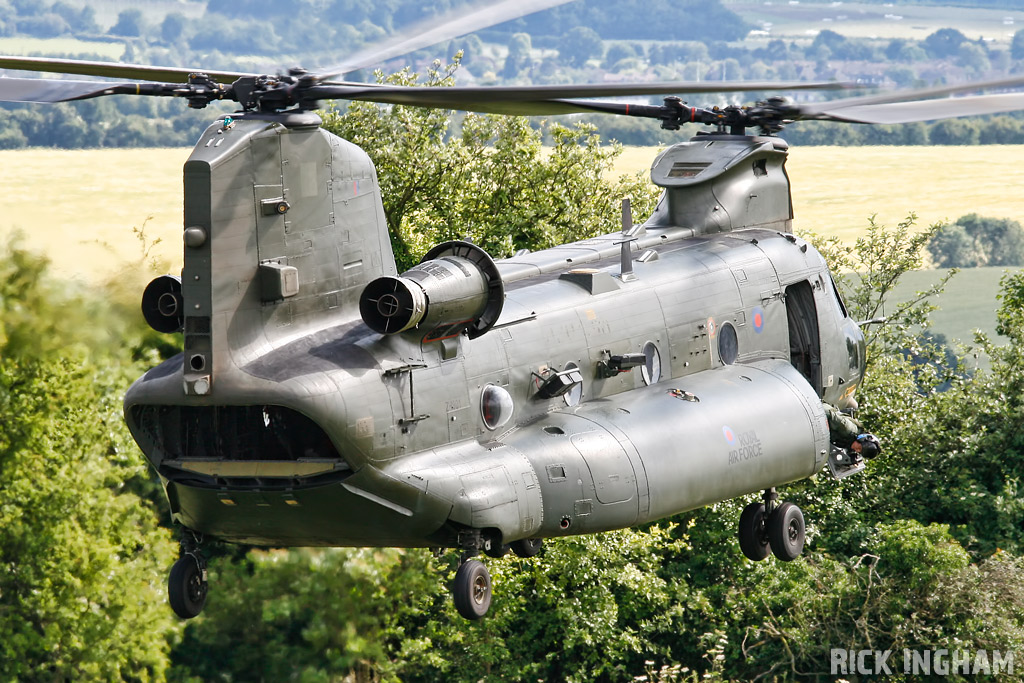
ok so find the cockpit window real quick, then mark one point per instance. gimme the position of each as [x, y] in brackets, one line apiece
[839, 298]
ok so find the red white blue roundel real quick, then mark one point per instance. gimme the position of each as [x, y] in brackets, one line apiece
[729, 435]
[757, 317]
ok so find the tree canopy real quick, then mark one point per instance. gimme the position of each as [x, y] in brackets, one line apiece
[974, 241]
[82, 588]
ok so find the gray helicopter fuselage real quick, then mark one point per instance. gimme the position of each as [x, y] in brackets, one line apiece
[606, 392]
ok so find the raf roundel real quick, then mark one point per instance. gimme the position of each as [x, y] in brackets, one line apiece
[729, 435]
[757, 317]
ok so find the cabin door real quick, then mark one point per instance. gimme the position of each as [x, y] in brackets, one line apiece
[804, 340]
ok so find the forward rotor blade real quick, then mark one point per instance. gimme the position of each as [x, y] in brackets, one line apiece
[920, 110]
[540, 99]
[50, 91]
[438, 29]
[133, 72]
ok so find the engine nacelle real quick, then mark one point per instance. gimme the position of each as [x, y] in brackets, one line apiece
[455, 288]
[162, 305]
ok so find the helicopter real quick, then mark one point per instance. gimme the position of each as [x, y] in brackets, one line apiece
[322, 398]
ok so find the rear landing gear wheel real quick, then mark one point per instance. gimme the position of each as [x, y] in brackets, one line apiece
[496, 550]
[472, 590]
[187, 586]
[527, 547]
[786, 532]
[752, 532]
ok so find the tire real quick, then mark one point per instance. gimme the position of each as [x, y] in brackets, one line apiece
[187, 587]
[527, 547]
[786, 532]
[752, 533]
[472, 590]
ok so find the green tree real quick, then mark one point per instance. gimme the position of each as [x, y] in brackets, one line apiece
[1001, 130]
[318, 615]
[975, 240]
[1017, 45]
[579, 45]
[79, 19]
[493, 183]
[49, 25]
[519, 55]
[955, 132]
[974, 58]
[952, 247]
[82, 588]
[618, 52]
[172, 29]
[130, 23]
[944, 43]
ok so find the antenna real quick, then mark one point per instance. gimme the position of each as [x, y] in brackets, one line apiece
[628, 236]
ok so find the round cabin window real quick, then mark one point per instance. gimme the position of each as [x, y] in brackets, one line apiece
[651, 370]
[495, 406]
[728, 344]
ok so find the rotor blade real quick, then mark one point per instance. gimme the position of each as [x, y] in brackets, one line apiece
[134, 72]
[438, 29]
[920, 110]
[50, 91]
[910, 95]
[539, 99]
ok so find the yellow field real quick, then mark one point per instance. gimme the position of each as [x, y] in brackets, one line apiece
[79, 207]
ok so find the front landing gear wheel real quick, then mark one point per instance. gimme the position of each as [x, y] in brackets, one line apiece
[187, 586]
[786, 532]
[752, 532]
[472, 590]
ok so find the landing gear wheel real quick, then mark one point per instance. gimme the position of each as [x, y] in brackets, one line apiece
[187, 586]
[527, 547]
[786, 532]
[472, 590]
[752, 532]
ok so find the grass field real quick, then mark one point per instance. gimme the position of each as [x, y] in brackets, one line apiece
[79, 207]
[968, 303]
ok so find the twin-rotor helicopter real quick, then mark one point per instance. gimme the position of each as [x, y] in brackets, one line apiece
[324, 399]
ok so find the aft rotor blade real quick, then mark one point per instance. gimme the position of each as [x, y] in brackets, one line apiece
[920, 110]
[47, 90]
[438, 29]
[910, 95]
[540, 99]
[131, 72]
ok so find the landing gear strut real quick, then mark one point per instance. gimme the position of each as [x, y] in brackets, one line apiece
[766, 526]
[187, 584]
